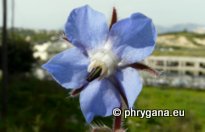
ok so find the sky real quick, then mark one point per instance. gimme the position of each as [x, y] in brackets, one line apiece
[52, 14]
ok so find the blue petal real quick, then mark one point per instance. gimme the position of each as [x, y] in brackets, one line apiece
[133, 38]
[68, 68]
[99, 98]
[131, 84]
[86, 28]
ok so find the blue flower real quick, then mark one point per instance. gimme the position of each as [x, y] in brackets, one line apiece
[110, 52]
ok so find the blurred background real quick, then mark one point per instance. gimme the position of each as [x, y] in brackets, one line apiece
[31, 32]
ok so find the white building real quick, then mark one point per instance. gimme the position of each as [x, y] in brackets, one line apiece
[177, 71]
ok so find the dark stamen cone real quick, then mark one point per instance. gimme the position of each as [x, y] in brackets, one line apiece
[95, 73]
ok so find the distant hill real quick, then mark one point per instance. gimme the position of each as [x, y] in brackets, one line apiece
[182, 39]
[181, 44]
[190, 27]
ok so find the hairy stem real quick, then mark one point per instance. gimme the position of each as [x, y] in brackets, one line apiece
[117, 123]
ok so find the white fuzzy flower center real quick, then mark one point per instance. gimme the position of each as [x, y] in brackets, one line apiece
[105, 59]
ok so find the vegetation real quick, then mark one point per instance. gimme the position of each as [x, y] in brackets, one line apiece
[191, 101]
[34, 36]
[37, 36]
[178, 51]
[43, 106]
[20, 56]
